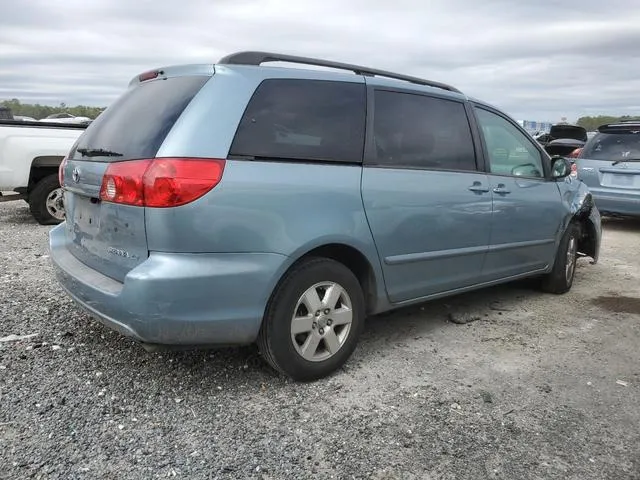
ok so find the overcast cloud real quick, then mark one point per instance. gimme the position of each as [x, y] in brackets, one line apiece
[537, 60]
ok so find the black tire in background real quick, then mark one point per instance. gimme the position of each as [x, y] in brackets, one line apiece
[277, 342]
[42, 198]
[560, 279]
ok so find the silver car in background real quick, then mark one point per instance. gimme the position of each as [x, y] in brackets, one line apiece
[609, 164]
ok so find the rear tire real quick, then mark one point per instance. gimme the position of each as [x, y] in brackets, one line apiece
[45, 201]
[560, 279]
[313, 320]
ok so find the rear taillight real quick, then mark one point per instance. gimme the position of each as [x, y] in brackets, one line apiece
[61, 168]
[122, 182]
[160, 182]
[148, 75]
[576, 153]
[574, 169]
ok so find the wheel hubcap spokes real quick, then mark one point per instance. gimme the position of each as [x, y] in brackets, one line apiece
[322, 321]
[55, 205]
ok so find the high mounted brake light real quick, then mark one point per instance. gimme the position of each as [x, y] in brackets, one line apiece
[160, 182]
[148, 75]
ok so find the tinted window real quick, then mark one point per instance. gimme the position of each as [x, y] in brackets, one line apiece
[613, 146]
[137, 123]
[510, 151]
[303, 119]
[418, 131]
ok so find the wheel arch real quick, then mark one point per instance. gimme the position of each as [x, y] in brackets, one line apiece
[582, 214]
[42, 167]
[367, 270]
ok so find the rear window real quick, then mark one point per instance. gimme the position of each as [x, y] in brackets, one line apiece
[137, 123]
[303, 119]
[613, 146]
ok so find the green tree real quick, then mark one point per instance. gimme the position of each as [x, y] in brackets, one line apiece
[592, 123]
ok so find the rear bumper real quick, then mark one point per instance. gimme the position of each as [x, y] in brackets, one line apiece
[618, 202]
[175, 299]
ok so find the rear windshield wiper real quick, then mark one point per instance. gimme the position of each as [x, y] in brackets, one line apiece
[98, 152]
[626, 160]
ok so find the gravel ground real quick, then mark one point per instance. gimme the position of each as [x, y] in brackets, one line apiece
[537, 386]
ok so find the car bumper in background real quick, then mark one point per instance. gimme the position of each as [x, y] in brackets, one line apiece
[175, 299]
[621, 203]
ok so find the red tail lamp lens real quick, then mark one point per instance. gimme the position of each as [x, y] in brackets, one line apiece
[160, 182]
[576, 153]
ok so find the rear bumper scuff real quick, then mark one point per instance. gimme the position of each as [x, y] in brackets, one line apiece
[175, 299]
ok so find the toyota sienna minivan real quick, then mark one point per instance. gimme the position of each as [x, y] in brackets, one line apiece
[239, 202]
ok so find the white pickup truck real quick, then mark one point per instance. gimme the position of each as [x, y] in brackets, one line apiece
[30, 154]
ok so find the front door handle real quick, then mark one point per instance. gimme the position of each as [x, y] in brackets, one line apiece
[478, 188]
[501, 189]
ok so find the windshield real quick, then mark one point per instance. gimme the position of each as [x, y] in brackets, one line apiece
[613, 146]
[138, 122]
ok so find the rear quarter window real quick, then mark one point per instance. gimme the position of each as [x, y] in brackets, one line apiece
[303, 120]
[137, 123]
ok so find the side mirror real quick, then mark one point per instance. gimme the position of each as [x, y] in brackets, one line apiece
[560, 167]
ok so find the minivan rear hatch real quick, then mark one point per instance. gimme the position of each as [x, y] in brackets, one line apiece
[111, 237]
[574, 132]
[611, 159]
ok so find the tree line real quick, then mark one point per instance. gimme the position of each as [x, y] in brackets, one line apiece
[39, 112]
[592, 123]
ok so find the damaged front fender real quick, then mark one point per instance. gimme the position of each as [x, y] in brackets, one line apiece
[583, 211]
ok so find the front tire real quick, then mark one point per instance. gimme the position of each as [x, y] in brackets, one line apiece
[560, 279]
[313, 320]
[45, 201]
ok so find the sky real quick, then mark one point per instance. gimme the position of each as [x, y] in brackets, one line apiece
[536, 60]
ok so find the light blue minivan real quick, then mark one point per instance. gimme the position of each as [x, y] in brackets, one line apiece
[236, 203]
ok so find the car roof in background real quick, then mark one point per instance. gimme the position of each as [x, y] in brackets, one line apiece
[630, 126]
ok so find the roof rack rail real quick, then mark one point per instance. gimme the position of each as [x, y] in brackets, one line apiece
[258, 58]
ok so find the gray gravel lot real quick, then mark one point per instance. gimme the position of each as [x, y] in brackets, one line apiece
[538, 386]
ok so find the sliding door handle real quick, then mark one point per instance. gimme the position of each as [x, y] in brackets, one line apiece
[501, 189]
[478, 188]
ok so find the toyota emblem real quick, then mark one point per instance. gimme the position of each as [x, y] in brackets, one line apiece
[76, 174]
